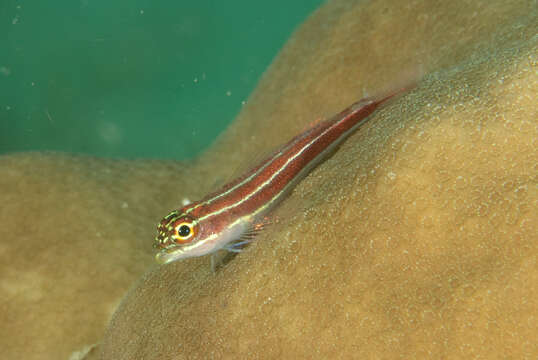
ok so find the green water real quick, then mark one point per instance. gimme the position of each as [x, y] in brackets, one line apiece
[157, 79]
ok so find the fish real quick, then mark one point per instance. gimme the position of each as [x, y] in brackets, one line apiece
[235, 214]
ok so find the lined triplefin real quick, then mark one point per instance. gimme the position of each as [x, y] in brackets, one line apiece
[233, 215]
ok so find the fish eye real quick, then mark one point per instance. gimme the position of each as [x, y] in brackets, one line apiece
[183, 231]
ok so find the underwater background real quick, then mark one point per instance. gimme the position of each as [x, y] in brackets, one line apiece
[417, 237]
[154, 79]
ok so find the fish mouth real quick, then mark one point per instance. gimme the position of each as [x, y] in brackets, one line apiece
[166, 256]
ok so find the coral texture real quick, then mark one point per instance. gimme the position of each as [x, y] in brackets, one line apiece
[417, 239]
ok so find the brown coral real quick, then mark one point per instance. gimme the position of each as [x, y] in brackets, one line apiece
[416, 239]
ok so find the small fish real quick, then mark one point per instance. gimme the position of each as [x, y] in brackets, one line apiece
[232, 216]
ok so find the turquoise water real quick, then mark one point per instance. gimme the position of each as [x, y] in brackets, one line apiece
[157, 79]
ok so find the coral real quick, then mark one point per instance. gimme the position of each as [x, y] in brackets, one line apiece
[416, 239]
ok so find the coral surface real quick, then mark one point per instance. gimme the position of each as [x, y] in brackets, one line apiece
[417, 239]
